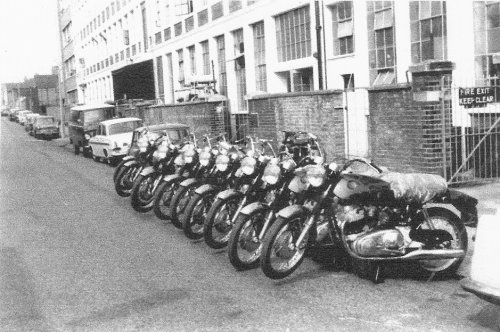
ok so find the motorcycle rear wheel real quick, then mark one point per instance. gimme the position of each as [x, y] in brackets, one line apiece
[444, 220]
[218, 226]
[195, 214]
[279, 257]
[244, 246]
[142, 195]
[179, 203]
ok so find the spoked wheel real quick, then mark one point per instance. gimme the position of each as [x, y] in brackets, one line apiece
[196, 213]
[244, 246]
[125, 180]
[179, 203]
[443, 230]
[280, 254]
[163, 198]
[142, 196]
[118, 168]
[218, 225]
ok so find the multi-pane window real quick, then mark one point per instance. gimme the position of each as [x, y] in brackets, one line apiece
[239, 68]
[343, 28]
[260, 57]
[428, 30]
[221, 61]
[381, 46]
[234, 5]
[293, 34]
[192, 59]
[487, 44]
[183, 7]
[205, 57]
[303, 80]
[159, 73]
[180, 60]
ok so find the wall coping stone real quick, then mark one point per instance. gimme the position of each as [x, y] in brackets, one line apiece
[187, 103]
[397, 86]
[293, 94]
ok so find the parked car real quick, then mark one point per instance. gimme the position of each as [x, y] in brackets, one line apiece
[30, 118]
[21, 116]
[5, 112]
[13, 114]
[112, 139]
[83, 124]
[45, 127]
[484, 280]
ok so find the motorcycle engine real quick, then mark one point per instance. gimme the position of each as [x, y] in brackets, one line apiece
[368, 232]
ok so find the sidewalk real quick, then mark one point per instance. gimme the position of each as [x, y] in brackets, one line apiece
[488, 195]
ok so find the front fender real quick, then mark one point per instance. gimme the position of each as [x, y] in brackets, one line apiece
[147, 170]
[172, 178]
[188, 182]
[205, 189]
[130, 163]
[229, 193]
[252, 207]
[291, 210]
[127, 158]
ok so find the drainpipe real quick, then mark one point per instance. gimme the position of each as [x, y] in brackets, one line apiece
[319, 56]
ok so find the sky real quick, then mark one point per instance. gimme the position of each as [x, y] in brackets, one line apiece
[29, 39]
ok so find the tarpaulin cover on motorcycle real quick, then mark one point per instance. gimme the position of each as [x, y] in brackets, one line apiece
[416, 187]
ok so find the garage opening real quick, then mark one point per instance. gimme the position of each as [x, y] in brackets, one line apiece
[135, 81]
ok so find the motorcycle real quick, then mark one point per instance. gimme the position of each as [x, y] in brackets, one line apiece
[220, 178]
[144, 149]
[183, 190]
[248, 188]
[372, 217]
[164, 162]
[245, 241]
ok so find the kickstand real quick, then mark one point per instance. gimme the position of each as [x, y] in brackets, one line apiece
[431, 276]
[377, 276]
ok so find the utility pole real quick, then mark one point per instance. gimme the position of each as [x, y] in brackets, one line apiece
[61, 78]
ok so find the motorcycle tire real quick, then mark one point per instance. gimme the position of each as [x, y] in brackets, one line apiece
[195, 214]
[294, 225]
[179, 203]
[123, 185]
[244, 246]
[141, 200]
[164, 195]
[456, 229]
[117, 169]
[218, 226]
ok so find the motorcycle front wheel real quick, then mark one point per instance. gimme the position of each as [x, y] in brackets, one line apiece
[280, 257]
[195, 214]
[118, 169]
[442, 230]
[179, 202]
[218, 225]
[161, 205]
[124, 180]
[244, 246]
[142, 195]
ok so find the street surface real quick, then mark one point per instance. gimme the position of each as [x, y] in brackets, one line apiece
[74, 256]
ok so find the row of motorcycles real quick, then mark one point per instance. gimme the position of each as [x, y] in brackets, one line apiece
[273, 208]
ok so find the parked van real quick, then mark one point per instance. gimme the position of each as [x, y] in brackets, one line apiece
[84, 122]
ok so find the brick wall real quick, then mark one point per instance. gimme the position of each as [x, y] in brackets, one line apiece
[318, 112]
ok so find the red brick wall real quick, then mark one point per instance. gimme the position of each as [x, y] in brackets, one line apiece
[318, 112]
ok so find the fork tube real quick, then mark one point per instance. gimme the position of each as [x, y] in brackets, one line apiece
[242, 204]
[266, 224]
[309, 223]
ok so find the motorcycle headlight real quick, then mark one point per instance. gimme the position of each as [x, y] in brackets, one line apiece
[271, 174]
[248, 165]
[204, 158]
[159, 155]
[163, 147]
[215, 152]
[188, 155]
[315, 175]
[179, 160]
[188, 160]
[288, 164]
[222, 162]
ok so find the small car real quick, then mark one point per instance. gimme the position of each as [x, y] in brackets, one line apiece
[45, 127]
[5, 112]
[21, 117]
[112, 139]
[484, 280]
[30, 118]
[13, 114]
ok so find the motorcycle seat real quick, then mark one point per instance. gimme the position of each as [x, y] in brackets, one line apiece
[415, 187]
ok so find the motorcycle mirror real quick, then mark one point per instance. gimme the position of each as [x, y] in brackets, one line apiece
[334, 167]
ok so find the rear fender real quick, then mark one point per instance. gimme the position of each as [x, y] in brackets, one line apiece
[253, 207]
[291, 210]
[445, 206]
[229, 193]
[206, 188]
[147, 170]
[188, 182]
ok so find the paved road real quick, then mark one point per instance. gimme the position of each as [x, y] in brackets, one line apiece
[74, 256]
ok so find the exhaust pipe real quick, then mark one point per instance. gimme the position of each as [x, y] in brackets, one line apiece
[433, 254]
